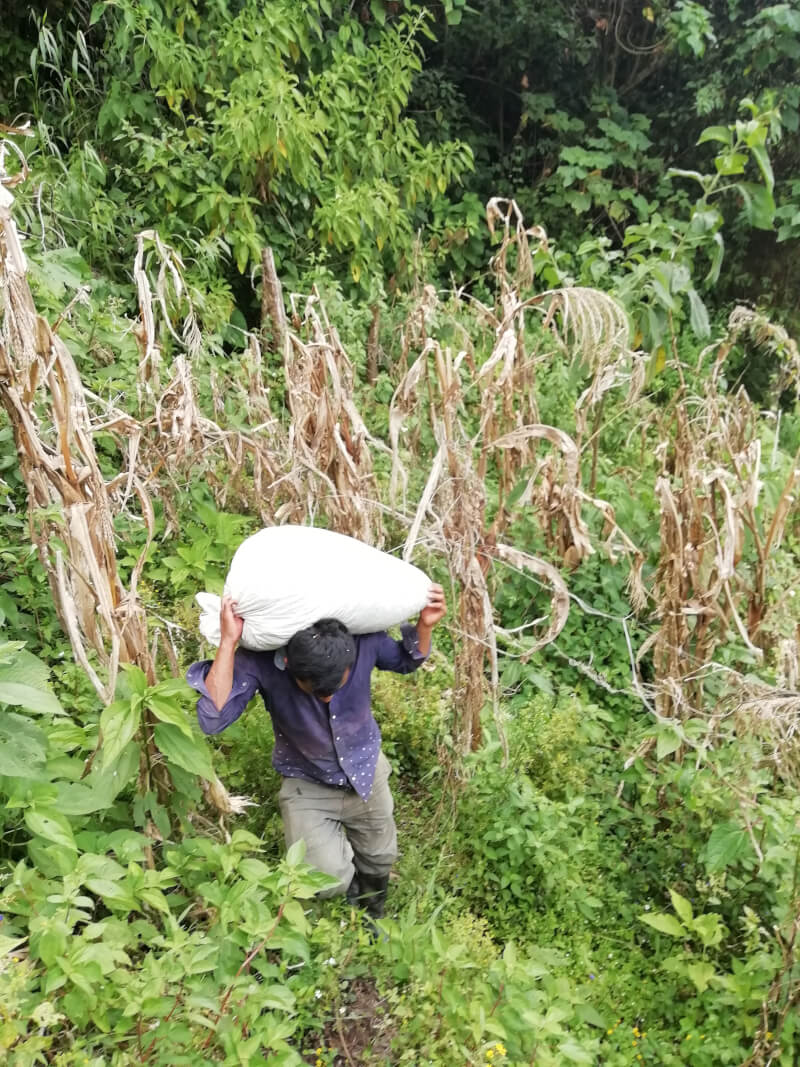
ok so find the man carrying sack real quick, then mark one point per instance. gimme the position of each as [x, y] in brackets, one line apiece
[335, 791]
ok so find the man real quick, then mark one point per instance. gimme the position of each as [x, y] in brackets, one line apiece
[335, 791]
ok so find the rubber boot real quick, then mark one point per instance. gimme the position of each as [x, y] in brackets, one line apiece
[353, 891]
[372, 893]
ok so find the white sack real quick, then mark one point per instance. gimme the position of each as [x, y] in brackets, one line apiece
[284, 578]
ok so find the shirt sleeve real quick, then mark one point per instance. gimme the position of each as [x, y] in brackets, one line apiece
[246, 683]
[401, 656]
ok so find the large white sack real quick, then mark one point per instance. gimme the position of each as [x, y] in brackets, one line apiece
[284, 578]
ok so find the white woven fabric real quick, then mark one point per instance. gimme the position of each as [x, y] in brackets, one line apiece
[284, 578]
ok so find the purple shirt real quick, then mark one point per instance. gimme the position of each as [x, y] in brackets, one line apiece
[336, 744]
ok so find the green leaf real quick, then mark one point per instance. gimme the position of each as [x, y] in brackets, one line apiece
[25, 696]
[698, 315]
[135, 677]
[75, 798]
[589, 1014]
[665, 924]
[295, 916]
[710, 928]
[759, 205]
[23, 746]
[296, 853]
[188, 752]
[667, 742]
[716, 133]
[764, 165]
[118, 723]
[169, 711]
[727, 844]
[682, 907]
[728, 163]
[716, 259]
[701, 974]
[52, 826]
[378, 11]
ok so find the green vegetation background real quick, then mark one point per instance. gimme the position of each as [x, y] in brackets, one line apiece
[617, 891]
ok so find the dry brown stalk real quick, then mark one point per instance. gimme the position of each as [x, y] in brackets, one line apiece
[70, 509]
[327, 435]
[708, 585]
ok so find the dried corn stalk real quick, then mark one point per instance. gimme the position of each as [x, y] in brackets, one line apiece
[327, 436]
[70, 510]
[707, 586]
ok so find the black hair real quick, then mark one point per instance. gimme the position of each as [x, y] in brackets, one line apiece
[321, 654]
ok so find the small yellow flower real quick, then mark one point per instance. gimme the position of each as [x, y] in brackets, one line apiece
[688, 1037]
[318, 1063]
[634, 1043]
[319, 1051]
[499, 1047]
[489, 1054]
[644, 1033]
[609, 1032]
[635, 1032]
[769, 1035]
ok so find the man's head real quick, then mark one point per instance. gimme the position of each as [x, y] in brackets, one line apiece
[320, 657]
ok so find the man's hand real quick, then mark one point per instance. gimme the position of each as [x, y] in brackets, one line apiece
[433, 612]
[219, 679]
[230, 624]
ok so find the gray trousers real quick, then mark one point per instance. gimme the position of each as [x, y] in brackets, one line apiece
[342, 832]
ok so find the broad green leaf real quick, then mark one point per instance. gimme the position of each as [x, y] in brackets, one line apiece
[665, 924]
[75, 798]
[728, 163]
[572, 1051]
[295, 916]
[169, 711]
[710, 928]
[667, 742]
[701, 974]
[296, 853]
[19, 665]
[188, 752]
[23, 746]
[278, 997]
[727, 844]
[118, 723]
[378, 11]
[682, 907]
[8, 944]
[698, 315]
[52, 826]
[173, 687]
[716, 133]
[589, 1014]
[40, 701]
[759, 205]
[135, 677]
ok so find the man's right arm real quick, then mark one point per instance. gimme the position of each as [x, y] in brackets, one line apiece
[227, 685]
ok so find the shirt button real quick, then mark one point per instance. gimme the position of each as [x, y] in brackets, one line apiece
[338, 739]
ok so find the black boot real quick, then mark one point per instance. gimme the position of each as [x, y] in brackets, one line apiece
[372, 893]
[353, 891]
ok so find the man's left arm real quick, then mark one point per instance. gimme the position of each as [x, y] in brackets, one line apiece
[407, 654]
